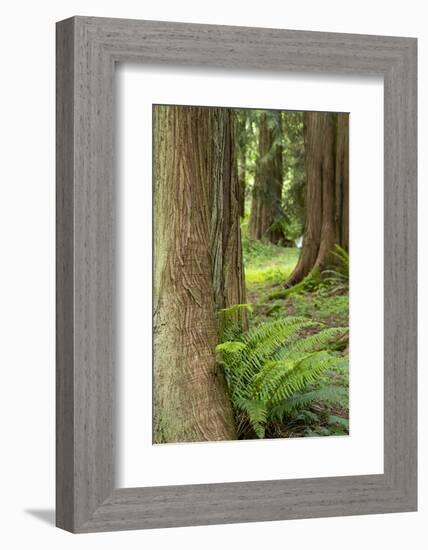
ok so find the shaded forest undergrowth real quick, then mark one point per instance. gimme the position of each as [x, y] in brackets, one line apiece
[288, 374]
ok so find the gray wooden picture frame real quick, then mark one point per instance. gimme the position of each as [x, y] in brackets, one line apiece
[87, 50]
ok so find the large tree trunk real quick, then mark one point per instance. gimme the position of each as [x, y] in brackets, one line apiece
[197, 270]
[327, 191]
[267, 190]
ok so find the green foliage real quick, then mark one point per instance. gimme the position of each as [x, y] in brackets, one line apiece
[230, 320]
[322, 307]
[333, 395]
[272, 275]
[266, 263]
[271, 370]
[230, 347]
[338, 277]
[247, 123]
[331, 281]
[229, 312]
[288, 129]
[294, 173]
[310, 283]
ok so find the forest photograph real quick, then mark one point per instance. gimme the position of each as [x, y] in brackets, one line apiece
[250, 274]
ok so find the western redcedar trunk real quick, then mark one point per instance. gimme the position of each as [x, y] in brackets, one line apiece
[342, 180]
[198, 269]
[327, 191]
[267, 189]
[242, 159]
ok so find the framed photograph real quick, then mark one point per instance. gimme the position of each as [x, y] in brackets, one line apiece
[236, 274]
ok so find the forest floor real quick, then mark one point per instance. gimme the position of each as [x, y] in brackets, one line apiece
[267, 267]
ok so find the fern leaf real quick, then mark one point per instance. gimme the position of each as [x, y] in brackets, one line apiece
[257, 414]
[271, 370]
[230, 347]
[304, 371]
[333, 395]
[315, 342]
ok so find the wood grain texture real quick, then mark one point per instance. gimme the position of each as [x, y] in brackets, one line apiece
[87, 49]
[64, 276]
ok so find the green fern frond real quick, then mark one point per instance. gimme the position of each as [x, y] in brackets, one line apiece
[267, 367]
[263, 340]
[338, 277]
[304, 371]
[267, 329]
[332, 395]
[230, 347]
[322, 340]
[257, 413]
[261, 343]
[231, 321]
[342, 256]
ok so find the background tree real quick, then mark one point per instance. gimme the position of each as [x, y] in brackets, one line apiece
[242, 133]
[327, 191]
[266, 207]
[294, 175]
[197, 269]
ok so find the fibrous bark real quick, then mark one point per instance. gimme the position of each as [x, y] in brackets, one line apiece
[242, 158]
[197, 269]
[327, 191]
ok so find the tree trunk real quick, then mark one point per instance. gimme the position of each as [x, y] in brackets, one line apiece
[342, 180]
[327, 191]
[242, 158]
[197, 269]
[267, 190]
